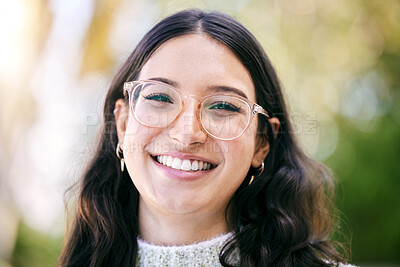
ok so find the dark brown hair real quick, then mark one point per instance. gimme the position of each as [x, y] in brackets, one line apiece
[284, 218]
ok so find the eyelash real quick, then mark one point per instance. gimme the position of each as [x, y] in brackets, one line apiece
[150, 96]
[230, 107]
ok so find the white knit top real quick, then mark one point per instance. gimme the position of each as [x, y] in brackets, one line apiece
[204, 253]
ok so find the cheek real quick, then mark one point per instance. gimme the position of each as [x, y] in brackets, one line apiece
[251, 132]
[238, 155]
[135, 132]
[137, 137]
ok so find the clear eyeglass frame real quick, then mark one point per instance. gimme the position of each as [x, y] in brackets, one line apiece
[254, 108]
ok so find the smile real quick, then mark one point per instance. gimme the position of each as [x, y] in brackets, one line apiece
[184, 165]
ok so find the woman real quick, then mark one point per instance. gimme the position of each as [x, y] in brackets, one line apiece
[190, 171]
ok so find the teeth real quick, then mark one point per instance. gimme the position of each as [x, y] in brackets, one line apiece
[185, 165]
[200, 165]
[195, 165]
[177, 163]
[169, 161]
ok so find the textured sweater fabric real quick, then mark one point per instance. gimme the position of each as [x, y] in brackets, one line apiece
[204, 253]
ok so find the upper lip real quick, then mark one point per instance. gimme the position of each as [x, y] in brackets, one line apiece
[183, 156]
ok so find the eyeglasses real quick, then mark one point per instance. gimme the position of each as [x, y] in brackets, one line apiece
[222, 116]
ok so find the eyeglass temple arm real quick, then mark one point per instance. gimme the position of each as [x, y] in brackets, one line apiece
[258, 109]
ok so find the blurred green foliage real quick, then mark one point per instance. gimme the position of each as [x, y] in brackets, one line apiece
[366, 163]
[367, 167]
[33, 248]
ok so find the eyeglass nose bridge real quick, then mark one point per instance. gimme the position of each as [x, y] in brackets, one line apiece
[198, 100]
[197, 110]
[194, 97]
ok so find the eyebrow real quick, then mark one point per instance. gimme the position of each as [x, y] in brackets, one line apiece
[214, 88]
[164, 80]
[226, 89]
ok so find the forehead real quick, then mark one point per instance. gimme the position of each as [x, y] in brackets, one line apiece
[196, 62]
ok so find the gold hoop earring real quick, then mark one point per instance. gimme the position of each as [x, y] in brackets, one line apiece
[259, 170]
[117, 151]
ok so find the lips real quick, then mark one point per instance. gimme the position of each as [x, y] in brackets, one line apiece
[184, 164]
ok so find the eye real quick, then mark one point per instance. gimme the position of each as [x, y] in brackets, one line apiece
[222, 105]
[159, 97]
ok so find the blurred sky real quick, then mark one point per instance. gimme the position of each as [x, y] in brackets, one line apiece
[58, 57]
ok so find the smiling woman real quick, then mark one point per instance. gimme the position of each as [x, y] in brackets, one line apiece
[213, 174]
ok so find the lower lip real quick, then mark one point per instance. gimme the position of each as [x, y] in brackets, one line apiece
[181, 175]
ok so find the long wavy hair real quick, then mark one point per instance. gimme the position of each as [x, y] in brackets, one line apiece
[284, 218]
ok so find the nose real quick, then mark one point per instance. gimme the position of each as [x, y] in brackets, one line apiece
[186, 129]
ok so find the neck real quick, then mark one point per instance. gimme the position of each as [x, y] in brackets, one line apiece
[168, 229]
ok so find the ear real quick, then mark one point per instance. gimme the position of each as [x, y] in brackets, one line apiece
[121, 114]
[262, 148]
[275, 123]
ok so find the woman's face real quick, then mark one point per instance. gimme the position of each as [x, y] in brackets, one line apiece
[194, 63]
